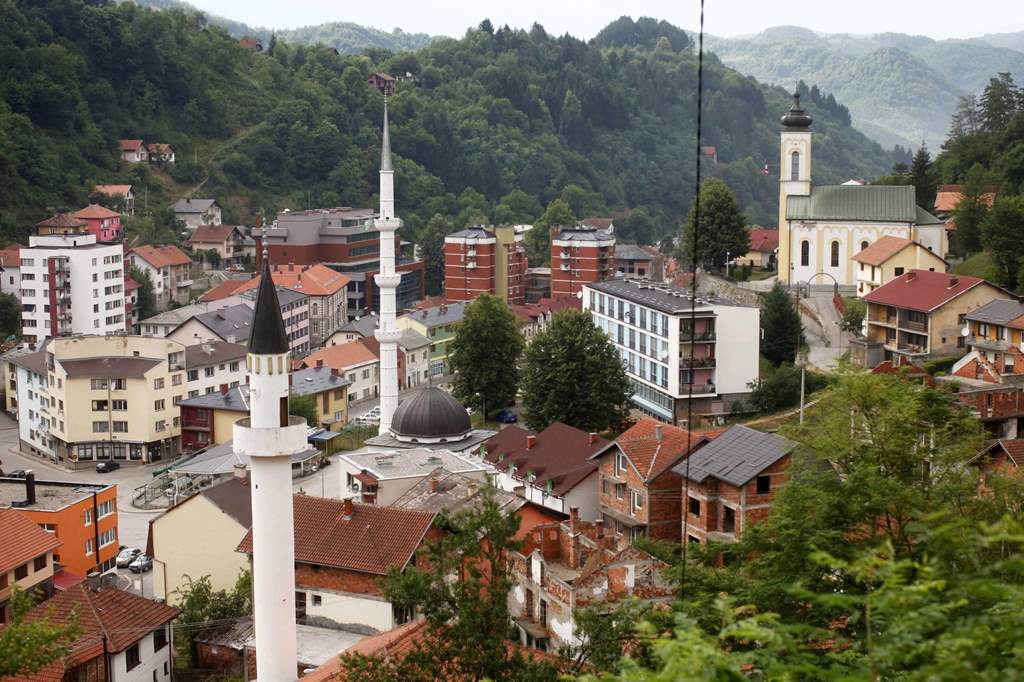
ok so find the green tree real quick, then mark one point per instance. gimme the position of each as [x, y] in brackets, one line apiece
[969, 213]
[516, 208]
[1001, 233]
[467, 617]
[30, 644]
[781, 329]
[10, 316]
[538, 239]
[923, 173]
[304, 406]
[722, 227]
[572, 373]
[853, 319]
[640, 227]
[147, 299]
[431, 247]
[201, 604]
[1000, 101]
[780, 388]
[484, 354]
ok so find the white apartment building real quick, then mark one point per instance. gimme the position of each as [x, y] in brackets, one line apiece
[71, 285]
[213, 365]
[650, 324]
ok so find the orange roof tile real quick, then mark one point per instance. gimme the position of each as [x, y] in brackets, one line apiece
[129, 145]
[882, 250]
[948, 196]
[10, 256]
[763, 240]
[924, 290]
[162, 256]
[312, 280]
[223, 290]
[210, 234]
[342, 356]
[22, 540]
[95, 211]
[371, 540]
[651, 456]
[62, 220]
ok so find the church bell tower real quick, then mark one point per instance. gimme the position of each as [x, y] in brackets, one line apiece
[794, 175]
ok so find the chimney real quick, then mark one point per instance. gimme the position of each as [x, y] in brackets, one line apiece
[223, 389]
[319, 363]
[241, 473]
[591, 438]
[953, 281]
[574, 518]
[657, 432]
[335, 372]
[911, 276]
[30, 487]
[346, 508]
[531, 440]
[434, 485]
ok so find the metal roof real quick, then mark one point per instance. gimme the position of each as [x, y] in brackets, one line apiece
[736, 456]
[189, 205]
[881, 203]
[221, 459]
[631, 252]
[410, 463]
[233, 322]
[997, 312]
[662, 297]
[439, 315]
[313, 380]
[236, 400]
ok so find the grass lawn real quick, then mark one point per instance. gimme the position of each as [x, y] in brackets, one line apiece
[979, 265]
[758, 274]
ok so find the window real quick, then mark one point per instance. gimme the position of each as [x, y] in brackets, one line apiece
[105, 509]
[99, 427]
[39, 564]
[158, 405]
[620, 464]
[119, 405]
[160, 425]
[794, 166]
[897, 271]
[159, 638]
[638, 500]
[99, 406]
[131, 657]
[317, 600]
[863, 245]
[158, 383]
[620, 491]
[107, 537]
[98, 384]
[88, 547]
[918, 317]
[234, 366]
[176, 380]
[21, 572]
[88, 512]
[120, 427]
[605, 486]
[193, 375]
[764, 485]
[120, 384]
[694, 506]
[805, 253]
[208, 372]
[835, 254]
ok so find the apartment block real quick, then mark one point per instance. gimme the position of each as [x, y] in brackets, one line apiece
[481, 260]
[580, 256]
[26, 558]
[675, 347]
[169, 270]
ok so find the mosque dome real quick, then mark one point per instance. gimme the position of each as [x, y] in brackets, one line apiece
[430, 416]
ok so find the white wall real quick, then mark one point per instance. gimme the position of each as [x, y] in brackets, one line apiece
[150, 661]
[347, 608]
[361, 385]
[738, 334]
[33, 405]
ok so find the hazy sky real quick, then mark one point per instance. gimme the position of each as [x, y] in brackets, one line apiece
[935, 18]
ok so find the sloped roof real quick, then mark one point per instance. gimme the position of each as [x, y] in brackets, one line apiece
[883, 203]
[234, 498]
[371, 540]
[236, 400]
[446, 491]
[313, 380]
[129, 145]
[652, 456]
[762, 240]
[192, 205]
[342, 356]
[632, 252]
[109, 367]
[268, 335]
[162, 256]
[948, 196]
[1003, 313]
[923, 290]
[233, 321]
[438, 316]
[22, 540]
[882, 250]
[10, 256]
[62, 220]
[561, 454]
[212, 353]
[223, 290]
[736, 456]
[212, 234]
[95, 212]
[311, 280]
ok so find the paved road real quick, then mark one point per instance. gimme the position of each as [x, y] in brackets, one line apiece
[822, 332]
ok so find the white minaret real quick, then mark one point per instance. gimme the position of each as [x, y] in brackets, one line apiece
[387, 281]
[269, 437]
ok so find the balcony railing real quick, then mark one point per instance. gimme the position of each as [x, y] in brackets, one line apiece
[916, 326]
[697, 363]
[697, 388]
[988, 344]
[705, 335]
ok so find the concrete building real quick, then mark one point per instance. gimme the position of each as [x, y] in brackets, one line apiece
[639, 262]
[26, 559]
[101, 223]
[132, 151]
[667, 357]
[169, 270]
[437, 324]
[489, 260]
[822, 227]
[198, 536]
[295, 309]
[232, 324]
[212, 366]
[355, 362]
[209, 418]
[227, 241]
[383, 477]
[195, 212]
[995, 345]
[93, 398]
[329, 389]
[71, 285]
[579, 256]
[430, 419]
[164, 323]
[10, 270]
[131, 305]
[888, 258]
[537, 284]
[82, 516]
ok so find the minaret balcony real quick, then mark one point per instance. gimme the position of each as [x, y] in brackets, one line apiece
[387, 281]
[389, 336]
[275, 441]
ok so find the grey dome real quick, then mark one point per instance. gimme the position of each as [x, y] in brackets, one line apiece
[430, 416]
[796, 118]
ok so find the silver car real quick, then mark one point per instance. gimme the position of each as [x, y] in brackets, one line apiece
[127, 556]
[141, 564]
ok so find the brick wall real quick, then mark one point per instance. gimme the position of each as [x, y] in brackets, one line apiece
[338, 579]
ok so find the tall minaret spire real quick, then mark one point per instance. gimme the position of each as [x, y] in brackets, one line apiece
[269, 437]
[387, 281]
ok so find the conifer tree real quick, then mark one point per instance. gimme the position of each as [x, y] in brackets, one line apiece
[723, 229]
[781, 328]
[923, 173]
[970, 212]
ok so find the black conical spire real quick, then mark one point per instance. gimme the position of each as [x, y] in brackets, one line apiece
[268, 336]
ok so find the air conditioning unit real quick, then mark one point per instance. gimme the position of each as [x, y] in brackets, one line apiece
[354, 488]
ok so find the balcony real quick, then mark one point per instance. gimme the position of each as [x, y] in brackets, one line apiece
[184, 283]
[471, 265]
[697, 389]
[471, 253]
[914, 326]
[687, 335]
[564, 255]
[564, 267]
[696, 363]
[987, 344]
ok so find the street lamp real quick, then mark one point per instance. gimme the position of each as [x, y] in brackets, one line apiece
[801, 361]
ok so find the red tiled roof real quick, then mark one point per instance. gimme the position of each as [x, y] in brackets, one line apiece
[62, 220]
[10, 256]
[129, 145]
[159, 147]
[64, 581]
[948, 196]
[763, 240]
[882, 250]
[431, 302]
[1014, 448]
[130, 284]
[597, 223]
[162, 256]
[95, 211]
[211, 234]
[561, 454]
[312, 280]
[223, 290]
[112, 190]
[371, 540]
[22, 540]
[923, 290]
[650, 456]
[342, 356]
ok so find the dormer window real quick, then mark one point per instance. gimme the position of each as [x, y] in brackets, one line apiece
[794, 161]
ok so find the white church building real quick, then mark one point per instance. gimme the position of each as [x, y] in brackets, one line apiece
[821, 227]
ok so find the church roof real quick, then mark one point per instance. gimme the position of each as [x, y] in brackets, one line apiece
[883, 203]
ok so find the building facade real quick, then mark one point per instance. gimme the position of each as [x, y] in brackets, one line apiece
[888, 258]
[994, 343]
[101, 223]
[671, 351]
[329, 389]
[481, 260]
[227, 241]
[26, 558]
[195, 212]
[437, 324]
[356, 363]
[169, 270]
[580, 256]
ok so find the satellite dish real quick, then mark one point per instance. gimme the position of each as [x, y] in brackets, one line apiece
[579, 294]
[664, 356]
[966, 331]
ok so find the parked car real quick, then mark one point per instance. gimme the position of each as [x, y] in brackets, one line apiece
[141, 564]
[107, 467]
[127, 556]
[507, 416]
[17, 473]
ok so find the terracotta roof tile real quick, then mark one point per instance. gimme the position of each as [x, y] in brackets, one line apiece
[223, 290]
[371, 540]
[62, 220]
[342, 356]
[763, 240]
[112, 190]
[95, 212]
[561, 454]
[162, 256]
[212, 234]
[882, 250]
[129, 145]
[948, 196]
[923, 290]
[10, 256]
[22, 540]
[311, 280]
[650, 456]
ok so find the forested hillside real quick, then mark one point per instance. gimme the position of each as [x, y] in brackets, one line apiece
[901, 89]
[498, 124]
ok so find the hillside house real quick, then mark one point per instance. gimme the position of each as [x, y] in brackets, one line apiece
[101, 222]
[764, 248]
[195, 212]
[383, 82]
[121, 196]
[160, 152]
[995, 342]
[169, 269]
[133, 151]
[227, 241]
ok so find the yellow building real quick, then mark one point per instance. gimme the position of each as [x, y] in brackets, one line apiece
[329, 388]
[209, 419]
[198, 537]
[95, 398]
[890, 257]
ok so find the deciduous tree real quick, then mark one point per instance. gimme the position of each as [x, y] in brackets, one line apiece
[1001, 233]
[538, 240]
[28, 645]
[484, 355]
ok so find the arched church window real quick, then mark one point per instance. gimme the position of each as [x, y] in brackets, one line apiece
[835, 254]
[794, 162]
[863, 245]
[805, 253]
